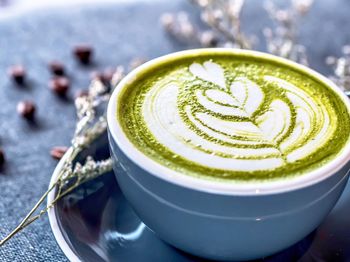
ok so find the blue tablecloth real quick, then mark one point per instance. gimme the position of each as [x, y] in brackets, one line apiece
[119, 32]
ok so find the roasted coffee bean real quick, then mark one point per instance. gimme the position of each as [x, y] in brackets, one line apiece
[59, 85]
[18, 74]
[26, 109]
[56, 68]
[83, 53]
[58, 152]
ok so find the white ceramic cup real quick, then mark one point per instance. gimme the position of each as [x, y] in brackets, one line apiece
[216, 220]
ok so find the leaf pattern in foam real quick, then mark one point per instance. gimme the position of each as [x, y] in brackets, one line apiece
[275, 123]
[210, 72]
[213, 106]
[247, 93]
[221, 97]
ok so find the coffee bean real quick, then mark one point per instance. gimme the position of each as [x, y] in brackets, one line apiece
[60, 85]
[17, 73]
[81, 93]
[105, 77]
[83, 53]
[2, 157]
[108, 75]
[57, 152]
[56, 68]
[26, 109]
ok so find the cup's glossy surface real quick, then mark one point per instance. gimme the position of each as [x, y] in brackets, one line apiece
[225, 227]
[222, 225]
[95, 223]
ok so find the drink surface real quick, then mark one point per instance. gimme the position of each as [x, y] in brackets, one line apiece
[232, 117]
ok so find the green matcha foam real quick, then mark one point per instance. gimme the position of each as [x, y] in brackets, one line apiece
[233, 117]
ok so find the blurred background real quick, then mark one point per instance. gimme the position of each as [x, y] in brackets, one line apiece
[36, 34]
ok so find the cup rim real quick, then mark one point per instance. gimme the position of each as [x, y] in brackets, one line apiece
[218, 187]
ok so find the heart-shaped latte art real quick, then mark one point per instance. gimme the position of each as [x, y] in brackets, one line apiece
[210, 72]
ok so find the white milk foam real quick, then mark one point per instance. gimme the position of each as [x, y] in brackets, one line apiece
[244, 145]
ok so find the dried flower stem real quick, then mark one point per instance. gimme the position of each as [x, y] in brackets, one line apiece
[341, 67]
[88, 128]
[282, 40]
[81, 178]
[222, 18]
[28, 219]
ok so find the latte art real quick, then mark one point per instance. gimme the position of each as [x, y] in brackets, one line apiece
[220, 120]
[261, 141]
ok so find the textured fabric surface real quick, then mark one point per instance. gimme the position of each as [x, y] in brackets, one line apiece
[119, 32]
[34, 39]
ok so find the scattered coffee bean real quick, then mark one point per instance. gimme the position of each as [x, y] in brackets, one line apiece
[57, 152]
[105, 77]
[108, 75]
[17, 73]
[56, 68]
[81, 93]
[60, 85]
[83, 53]
[2, 158]
[26, 109]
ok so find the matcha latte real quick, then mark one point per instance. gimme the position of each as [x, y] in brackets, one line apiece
[233, 117]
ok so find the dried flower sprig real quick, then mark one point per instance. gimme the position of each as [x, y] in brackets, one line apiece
[222, 18]
[282, 39]
[91, 124]
[341, 67]
[180, 27]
